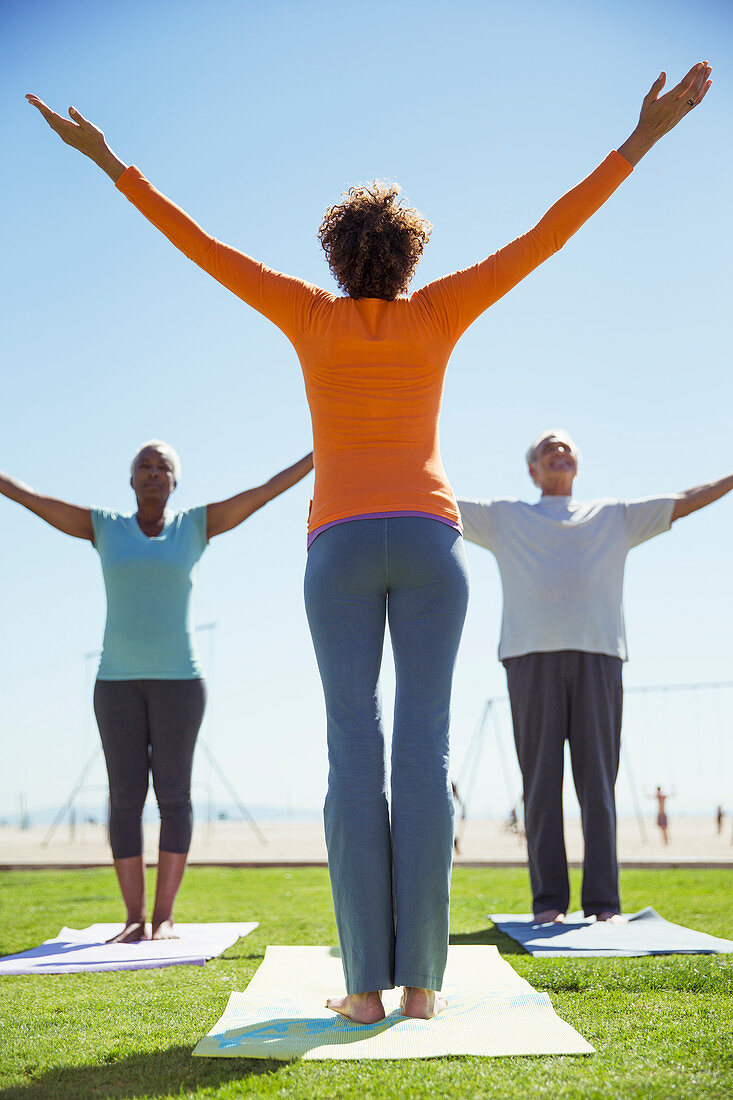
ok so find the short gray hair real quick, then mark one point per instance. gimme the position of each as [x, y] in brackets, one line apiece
[556, 433]
[167, 450]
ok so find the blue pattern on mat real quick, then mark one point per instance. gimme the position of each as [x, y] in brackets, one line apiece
[646, 934]
[294, 1019]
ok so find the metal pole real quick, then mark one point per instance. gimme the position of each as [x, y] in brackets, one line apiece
[473, 756]
[238, 803]
[70, 800]
[502, 757]
[208, 723]
[634, 795]
[86, 723]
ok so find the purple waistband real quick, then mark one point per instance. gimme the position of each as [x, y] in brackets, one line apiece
[381, 515]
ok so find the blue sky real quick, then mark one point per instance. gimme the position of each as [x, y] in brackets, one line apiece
[254, 117]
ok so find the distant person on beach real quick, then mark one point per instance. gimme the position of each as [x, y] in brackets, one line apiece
[563, 644]
[149, 695]
[662, 819]
[513, 824]
[384, 530]
[719, 820]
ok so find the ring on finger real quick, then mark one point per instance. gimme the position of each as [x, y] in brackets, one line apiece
[690, 102]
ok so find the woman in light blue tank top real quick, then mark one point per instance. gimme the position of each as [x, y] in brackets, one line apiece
[149, 696]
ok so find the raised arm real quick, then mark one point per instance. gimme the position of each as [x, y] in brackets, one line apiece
[458, 299]
[285, 300]
[224, 515]
[69, 518]
[694, 499]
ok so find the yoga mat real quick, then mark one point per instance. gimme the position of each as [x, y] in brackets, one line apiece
[76, 950]
[646, 934]
[491, 1011]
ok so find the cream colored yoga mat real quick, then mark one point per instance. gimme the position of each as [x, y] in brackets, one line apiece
[491, 1011]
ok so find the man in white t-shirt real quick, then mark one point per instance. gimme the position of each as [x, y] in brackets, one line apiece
[563, 644]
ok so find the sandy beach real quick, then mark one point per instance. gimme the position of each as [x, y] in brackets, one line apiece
[693, 842]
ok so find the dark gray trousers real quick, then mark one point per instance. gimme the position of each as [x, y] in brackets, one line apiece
[574, 696]
[149, 726]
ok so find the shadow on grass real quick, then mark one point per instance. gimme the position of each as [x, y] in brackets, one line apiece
[5, 951]
[156, 1073]
[505, 944]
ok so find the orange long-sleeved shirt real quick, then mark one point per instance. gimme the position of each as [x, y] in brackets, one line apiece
[374, 369]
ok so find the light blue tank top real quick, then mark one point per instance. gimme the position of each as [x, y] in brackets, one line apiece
[149, 630]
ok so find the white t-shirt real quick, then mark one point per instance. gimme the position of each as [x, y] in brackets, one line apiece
[562, 567]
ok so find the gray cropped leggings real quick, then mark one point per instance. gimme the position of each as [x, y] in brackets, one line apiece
[149, 726]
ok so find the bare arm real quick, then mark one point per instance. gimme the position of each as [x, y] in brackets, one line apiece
[694, 499]
[69, 518]
[224, 515]
[661, 113]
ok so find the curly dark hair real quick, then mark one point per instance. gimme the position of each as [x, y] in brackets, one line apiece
[373, 242]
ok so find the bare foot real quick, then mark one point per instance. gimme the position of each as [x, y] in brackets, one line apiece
[421, 1004]
[609, 917]
[360, 1008]
[133, 932]
[164, 930]
[550, 916]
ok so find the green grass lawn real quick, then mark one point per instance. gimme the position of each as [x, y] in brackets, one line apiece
[661, 1026]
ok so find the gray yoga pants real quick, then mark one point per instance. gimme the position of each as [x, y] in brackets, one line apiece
[390, 864]
[575, 697]
[149, 726]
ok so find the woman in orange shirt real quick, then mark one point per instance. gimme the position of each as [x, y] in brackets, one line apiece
[384, 528]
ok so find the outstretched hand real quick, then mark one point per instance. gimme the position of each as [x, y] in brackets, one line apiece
[661, 113]
[81, 134]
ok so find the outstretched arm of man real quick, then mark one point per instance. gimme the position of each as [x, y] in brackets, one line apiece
[69, 518]
[223, 515]
[694, 499]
